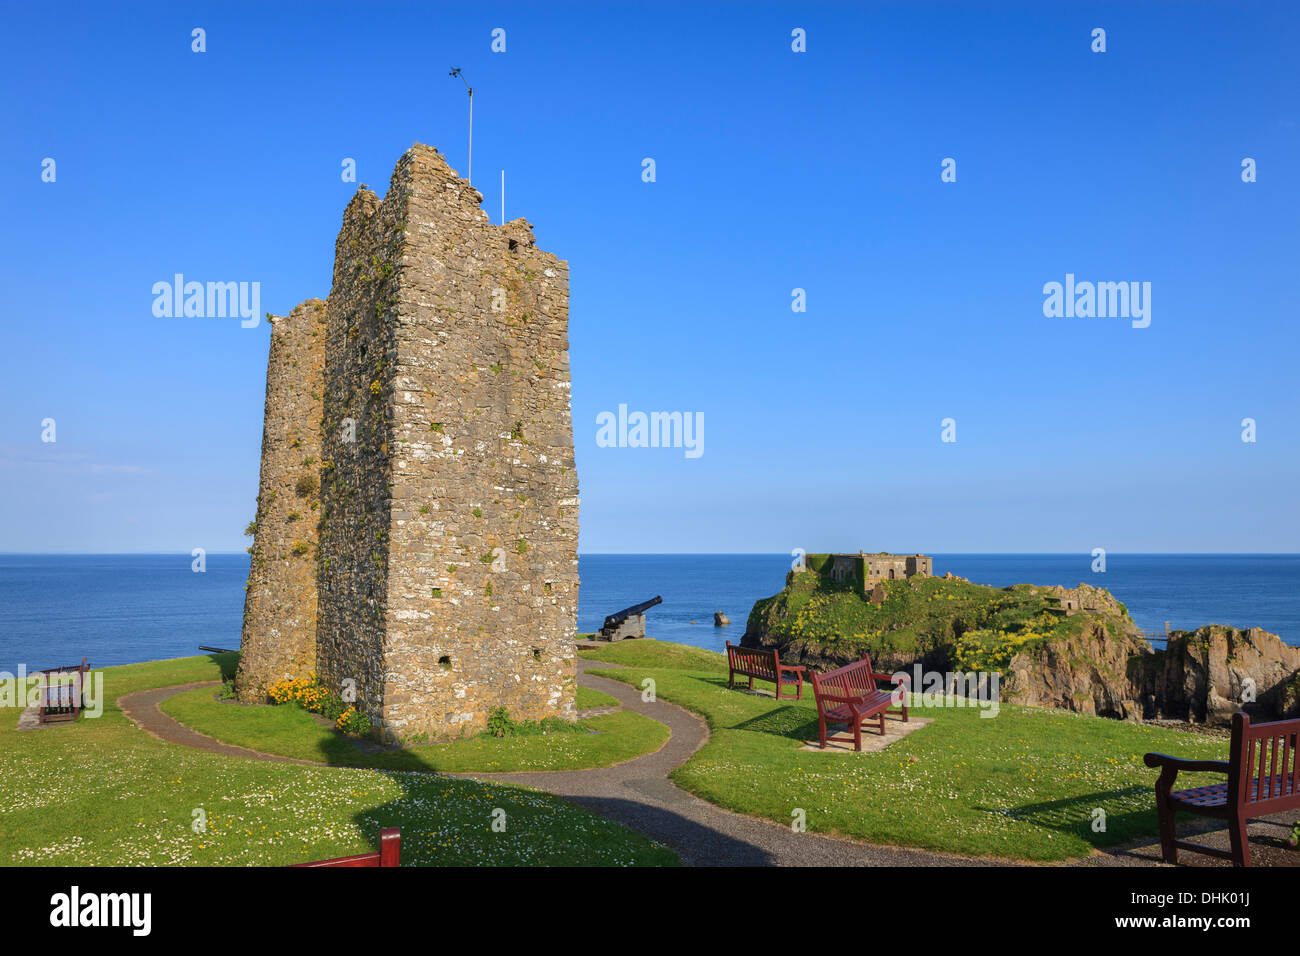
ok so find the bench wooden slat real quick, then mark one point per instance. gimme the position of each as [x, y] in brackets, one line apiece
[1272, 764]
[1216, 794]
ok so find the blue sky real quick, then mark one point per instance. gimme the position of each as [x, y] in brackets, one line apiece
[775, 170]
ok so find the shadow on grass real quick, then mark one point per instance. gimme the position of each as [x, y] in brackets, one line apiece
[228, 663]
[793, 723]
[791, 719]
[1079, 815]
[548, 840]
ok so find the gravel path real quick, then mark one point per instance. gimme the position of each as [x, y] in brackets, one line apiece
[142, 708]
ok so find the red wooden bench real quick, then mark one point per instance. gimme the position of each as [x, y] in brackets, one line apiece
[59, 692]
[390, 846]
[752, 662]
[849, 695]
[1263, 777]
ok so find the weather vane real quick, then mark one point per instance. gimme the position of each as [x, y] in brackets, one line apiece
[469, 170]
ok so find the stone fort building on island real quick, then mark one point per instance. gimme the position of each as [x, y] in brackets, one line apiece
[870, 568]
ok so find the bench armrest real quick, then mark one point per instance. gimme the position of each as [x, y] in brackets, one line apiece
[903, 679]
[793, 667]
[834, 699]
[1176, 764]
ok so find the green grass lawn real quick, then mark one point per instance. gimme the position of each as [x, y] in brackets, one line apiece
[645, 652]
[289, 731]
[1022, 785]
[586, 697]
[102, 792]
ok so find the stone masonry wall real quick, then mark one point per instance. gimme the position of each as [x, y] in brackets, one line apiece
[280, 604]
[355, 472]
[449, 549]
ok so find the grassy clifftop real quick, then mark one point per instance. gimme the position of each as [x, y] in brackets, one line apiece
[1024, 786]
[948, 621]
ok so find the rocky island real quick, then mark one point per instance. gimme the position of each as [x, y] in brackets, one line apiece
[1073, 648]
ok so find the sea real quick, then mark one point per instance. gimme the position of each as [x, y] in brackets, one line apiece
[122, 608]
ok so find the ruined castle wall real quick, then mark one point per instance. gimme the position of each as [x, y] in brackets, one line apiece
[356, 442]
[483, 604]
[449, 573]
[280, 604]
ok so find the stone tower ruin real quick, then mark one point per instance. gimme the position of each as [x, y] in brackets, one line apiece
[280, 606]
[446, 563]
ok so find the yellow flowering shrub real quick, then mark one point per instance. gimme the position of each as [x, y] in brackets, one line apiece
[306, 692]
[352, 721]
[990, 650]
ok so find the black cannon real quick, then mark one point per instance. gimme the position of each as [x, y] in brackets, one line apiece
[629, 622]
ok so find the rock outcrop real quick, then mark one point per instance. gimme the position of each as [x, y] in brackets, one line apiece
[1209, 674]
[1084, 598]
[1093, 672]
[1202, 676]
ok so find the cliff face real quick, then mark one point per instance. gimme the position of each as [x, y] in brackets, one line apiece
[1093, 672]
[1204, 676]
[1209, 674]
[1098, 669]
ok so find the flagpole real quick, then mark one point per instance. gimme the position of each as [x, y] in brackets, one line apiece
[469, 166]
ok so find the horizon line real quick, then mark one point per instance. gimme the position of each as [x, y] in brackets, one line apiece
[754, 554]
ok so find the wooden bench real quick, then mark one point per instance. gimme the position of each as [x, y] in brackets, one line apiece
[59, 692]
[849, 695]
[390, 846]
[1263, 777]
[755, 663]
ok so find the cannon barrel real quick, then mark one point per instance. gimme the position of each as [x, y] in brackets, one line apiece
[614, 620]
